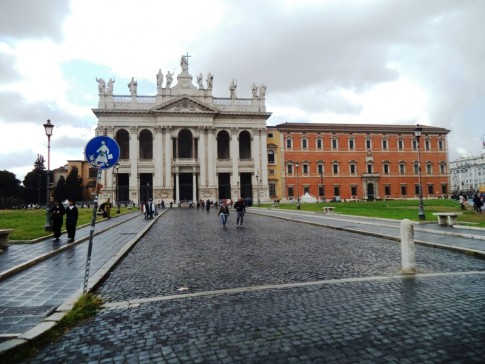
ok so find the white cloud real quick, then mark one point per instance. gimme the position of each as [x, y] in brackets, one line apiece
[322, 60]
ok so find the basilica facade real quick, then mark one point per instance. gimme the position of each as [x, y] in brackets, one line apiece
[183, 144]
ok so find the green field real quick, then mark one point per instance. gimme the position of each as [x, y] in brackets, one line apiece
[29, 224]
[401, 209]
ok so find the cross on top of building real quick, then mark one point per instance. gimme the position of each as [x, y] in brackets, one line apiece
[184, 62]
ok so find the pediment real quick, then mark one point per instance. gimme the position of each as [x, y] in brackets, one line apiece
[184, 105]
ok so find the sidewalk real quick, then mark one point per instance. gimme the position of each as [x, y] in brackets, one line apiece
[37, 279]
[464, 239]
[40, 282]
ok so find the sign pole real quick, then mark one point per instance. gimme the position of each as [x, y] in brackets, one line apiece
[102, 152]
[91, 233]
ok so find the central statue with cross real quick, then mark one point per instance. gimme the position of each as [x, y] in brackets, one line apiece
[184, 62]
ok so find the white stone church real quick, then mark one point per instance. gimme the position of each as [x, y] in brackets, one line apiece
[184, 144]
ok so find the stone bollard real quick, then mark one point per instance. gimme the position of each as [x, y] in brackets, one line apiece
[408, 250]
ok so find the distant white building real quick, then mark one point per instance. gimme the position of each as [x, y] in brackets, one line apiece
[184, 144]
[468, 174]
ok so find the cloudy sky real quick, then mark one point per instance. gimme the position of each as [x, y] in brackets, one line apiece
[330, 61]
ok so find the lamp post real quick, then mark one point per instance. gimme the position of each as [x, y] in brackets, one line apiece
[417, 133]
[297, 187]
[148, 191]
[117, 167]
[257, 185]
[49, 127]
[321, 182]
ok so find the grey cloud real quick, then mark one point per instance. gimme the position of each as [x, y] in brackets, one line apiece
[17, 159]
[7, 71]
[32, 18]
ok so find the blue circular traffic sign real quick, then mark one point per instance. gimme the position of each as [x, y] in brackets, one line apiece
[102, 152]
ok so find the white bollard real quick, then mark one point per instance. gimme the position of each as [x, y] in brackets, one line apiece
[408, 250]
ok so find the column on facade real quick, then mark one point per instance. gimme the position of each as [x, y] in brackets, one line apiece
[256, 144]
[202, 157]
[177, 186]
[211, 160]
[157, 156]
[194, 184]
[264, 163]
[167, 177]
[134, 162]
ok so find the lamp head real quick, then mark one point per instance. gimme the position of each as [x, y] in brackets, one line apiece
[49, 127]
[417, 131]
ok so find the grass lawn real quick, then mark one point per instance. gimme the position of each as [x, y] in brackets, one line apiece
[400, 209]
[29, 224]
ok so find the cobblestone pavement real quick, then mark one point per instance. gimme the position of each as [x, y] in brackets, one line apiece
[279, 291]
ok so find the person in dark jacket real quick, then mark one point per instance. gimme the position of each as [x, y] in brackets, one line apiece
[57, 218]
[240, 207]
[71, 220]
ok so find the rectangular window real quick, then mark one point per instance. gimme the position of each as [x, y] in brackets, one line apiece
[430, 190]
[334, 143]
[335, 169]
[427, 144]
[271, 172]
[442, 168]
[368, 143]
[415, 144]
[306, 189]
[369, 168]
[386, 168]
[305, 169]
[387, 190]
[416, 168]
[429, 169]
[288, 143]
[320, 169]
[304, 144]
[404, 190]
[272, 189]
[290, 192]
[402, 169]
[270, 157]
[336, 190]
[319, 143]
[353, 169]
[353, 190]
[416, 189]
[351, 144]
[400, 144]
[321, 191]
[440, 144]
[93, 173]
[444, 189]
[270, 135]
[384, 145]
[290, 169]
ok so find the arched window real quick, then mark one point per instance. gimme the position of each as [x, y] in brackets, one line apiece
[185, 144]
[123, 139]
[244, 145]
[223, 150]
[146, 144]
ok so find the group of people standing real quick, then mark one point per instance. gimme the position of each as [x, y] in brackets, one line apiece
[57, 213]
[477, 202]
[240, 207]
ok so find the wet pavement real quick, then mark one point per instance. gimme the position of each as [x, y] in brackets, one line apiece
[279, 290]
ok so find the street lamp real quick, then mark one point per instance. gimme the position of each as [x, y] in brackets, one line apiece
[297, 187]
[257, 185]
[321, 182]
[417, 133]
[49, 127]
[117, 167]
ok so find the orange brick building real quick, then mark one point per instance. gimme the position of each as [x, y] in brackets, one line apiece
[350, 161]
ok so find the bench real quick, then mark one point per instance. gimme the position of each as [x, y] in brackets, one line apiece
[447, 218]
[328, 209]
[273, 206]
[4, 233]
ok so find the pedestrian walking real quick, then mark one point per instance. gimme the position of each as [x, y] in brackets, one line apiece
[72, 214]
[208, 205]
[57, 218]
[477, 203]
[224, 213]
[149, 209]
[240, 207]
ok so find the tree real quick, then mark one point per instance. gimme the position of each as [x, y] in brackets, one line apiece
[10, 190]
[35, 183]
[60, 192]
[74, 185]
